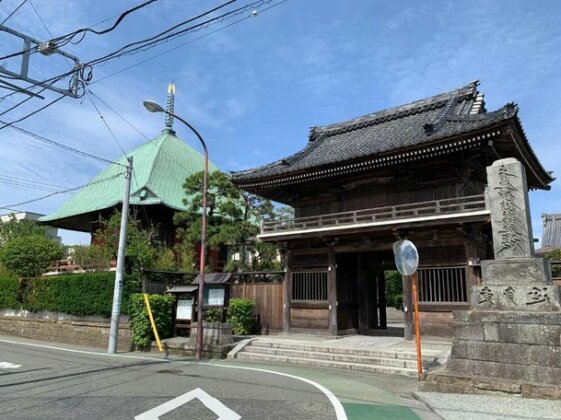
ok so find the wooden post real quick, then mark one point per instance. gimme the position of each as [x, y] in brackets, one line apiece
[332, 291]
[407, 308]
[417, 327]
[363, 318]
[287, 292]
[381, 305]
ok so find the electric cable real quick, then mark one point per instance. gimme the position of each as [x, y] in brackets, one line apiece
[107, 125]
[19, 179]
[182, 44]
[11, 14]
[61, 146]
[119, 115]
[32, 113]
[99, 181]
[68, 37]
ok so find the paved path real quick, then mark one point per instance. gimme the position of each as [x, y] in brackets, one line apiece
[63, 382]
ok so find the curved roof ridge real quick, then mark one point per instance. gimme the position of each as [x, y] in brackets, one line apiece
[396, 112]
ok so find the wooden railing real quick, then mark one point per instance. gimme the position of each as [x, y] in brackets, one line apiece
[442, 285]
[379, 214]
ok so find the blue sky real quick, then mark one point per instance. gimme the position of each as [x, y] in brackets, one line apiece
[254, 89]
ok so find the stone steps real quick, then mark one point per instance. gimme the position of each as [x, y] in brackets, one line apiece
[337, 357]
[385, 361]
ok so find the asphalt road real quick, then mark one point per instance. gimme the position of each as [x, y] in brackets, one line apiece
[48, 383]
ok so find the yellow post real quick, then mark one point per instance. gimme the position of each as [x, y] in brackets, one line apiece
[417, 327]
[147, 302]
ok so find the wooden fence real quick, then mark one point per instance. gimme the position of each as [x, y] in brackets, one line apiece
[268, 298]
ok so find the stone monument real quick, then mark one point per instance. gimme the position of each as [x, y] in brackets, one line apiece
[510, 339]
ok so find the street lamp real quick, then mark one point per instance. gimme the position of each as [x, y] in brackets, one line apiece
[154, 107]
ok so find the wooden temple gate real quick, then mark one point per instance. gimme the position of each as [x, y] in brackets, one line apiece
[416, 171]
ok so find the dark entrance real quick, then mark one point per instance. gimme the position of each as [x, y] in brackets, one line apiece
[361, 301]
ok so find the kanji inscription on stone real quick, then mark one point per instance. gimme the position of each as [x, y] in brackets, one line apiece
[510, 213]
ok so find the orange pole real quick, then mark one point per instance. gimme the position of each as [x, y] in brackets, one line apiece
[417, 327]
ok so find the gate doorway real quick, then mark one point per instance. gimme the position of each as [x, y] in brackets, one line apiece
[361, 294]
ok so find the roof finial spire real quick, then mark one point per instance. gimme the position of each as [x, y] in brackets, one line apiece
[170, 106]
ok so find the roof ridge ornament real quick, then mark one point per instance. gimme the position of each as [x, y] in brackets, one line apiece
[170, 107]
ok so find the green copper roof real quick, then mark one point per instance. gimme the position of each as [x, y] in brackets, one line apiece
[160, 168]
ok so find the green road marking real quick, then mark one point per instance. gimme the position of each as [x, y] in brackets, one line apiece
[369, 411]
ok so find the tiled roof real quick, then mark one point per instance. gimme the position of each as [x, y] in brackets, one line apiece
[160, 167]
[551, 234]
[408, 126]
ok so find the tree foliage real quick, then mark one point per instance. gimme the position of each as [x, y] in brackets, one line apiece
[19, 229]
[233, 219]
[29, 256]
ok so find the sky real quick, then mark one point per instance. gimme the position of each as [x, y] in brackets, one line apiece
[253, 89]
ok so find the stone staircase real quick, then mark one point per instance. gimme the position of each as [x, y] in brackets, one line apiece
[391, 361]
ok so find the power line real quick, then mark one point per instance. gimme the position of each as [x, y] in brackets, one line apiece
[149, 43]
[25, 184]
[61, 146]
[9, 206]
[19, 179]
[65, 39]
[54, 101]
[107, 125]
[183, 44]
[11, 14]
[40, 18]
[119, 115]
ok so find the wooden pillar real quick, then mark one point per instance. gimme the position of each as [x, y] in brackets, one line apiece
[381, 305]
[332, 290]
[363, 318]
[407, 308]
[287, 292]
[473, 238]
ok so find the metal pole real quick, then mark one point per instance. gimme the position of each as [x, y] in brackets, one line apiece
[417, 327]
[200, 295]
[117, 291]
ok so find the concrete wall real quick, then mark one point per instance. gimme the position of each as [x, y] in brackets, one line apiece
[62, 328]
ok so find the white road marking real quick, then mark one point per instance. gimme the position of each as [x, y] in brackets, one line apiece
[339, 410]
[214, 405]
[6, 365]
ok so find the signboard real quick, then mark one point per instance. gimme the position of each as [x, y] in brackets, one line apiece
[406, 257]
[184, 309]
[214, 296]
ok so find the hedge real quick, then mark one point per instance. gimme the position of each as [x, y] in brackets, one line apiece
[162, 311]
[240, 316]
[75, 294]
[9, 293]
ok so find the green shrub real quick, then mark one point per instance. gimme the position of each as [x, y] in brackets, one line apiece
[162, 310]
[240, 316]
[76, 294]
[29, 255]
[9, 293]
[212, 315]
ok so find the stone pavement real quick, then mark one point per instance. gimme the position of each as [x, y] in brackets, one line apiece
[489, 407]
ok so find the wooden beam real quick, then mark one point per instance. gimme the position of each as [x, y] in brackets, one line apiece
[332, 291]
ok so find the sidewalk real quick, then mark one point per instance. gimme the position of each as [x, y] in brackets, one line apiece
[489, 407]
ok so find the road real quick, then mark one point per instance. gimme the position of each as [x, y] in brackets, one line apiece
[51, 381]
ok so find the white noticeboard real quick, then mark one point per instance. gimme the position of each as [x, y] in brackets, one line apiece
[216, 297]
[184, 309]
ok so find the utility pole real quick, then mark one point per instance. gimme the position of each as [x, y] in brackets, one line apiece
[118, 290]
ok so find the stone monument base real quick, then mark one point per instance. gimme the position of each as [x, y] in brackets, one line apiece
[516, 352]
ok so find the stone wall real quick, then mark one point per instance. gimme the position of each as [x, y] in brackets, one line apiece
[61, 328]
[439, 324]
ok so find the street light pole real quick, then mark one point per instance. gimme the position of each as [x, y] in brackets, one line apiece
[154, 107]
